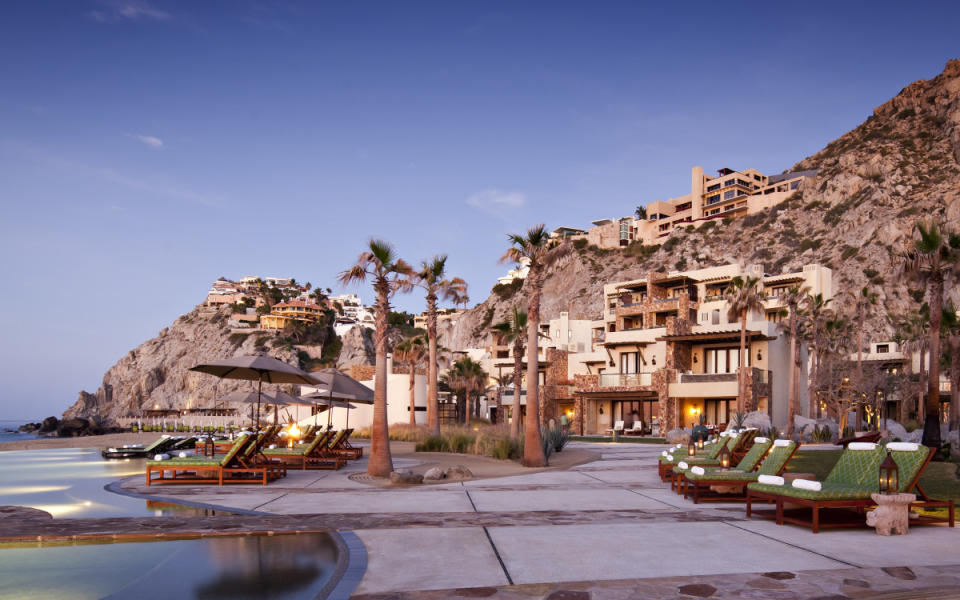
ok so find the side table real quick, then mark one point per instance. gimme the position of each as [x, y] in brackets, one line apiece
[892, 514]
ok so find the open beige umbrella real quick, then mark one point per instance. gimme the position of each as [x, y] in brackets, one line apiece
[256, 368]
[337, 385]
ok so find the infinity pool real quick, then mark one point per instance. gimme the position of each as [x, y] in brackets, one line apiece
[69, 483]
[281, 566]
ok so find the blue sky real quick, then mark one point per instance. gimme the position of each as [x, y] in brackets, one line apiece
[148, 147]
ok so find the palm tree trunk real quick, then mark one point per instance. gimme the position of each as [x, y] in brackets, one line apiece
[533, 455]
[381, 463]
[791, 386]
[466, 404]
[413, 406]
[955, 386]
[931, 425]
[433, 407]
[742, 368]
[812, 386]
[517, 384]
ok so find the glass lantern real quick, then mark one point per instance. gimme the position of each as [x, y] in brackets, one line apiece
[889, 476]
[725, 457]
[692, 448]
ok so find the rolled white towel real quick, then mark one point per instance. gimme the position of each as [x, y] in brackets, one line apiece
[183, 455]
[113, 449]
[664, 453]
[806, 484]
[697, 470]
[683, 465]
[161, 456]
[770, 479]
[781, 443]
[678, 446]
[760, 440]
[165, 436]
[902, 446]
[669, 458]
[272, 446]
[861, 446]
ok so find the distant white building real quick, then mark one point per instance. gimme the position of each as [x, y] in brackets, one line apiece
[520, 272]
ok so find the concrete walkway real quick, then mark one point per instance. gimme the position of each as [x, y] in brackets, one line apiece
[609, 520]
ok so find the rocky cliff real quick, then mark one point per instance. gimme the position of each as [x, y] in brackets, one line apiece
[855, 216]
[156, 373]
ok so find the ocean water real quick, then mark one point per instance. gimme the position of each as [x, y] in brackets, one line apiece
[9, 433]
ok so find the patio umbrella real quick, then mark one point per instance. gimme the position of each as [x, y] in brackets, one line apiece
[256, 368]
[338, 385]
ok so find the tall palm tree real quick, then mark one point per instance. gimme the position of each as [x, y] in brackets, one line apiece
[432, 278]
[466, 375]
[413, 353]
[389, 274]
[932, 260]
[514, 331]
[862, 301]
[743, 297]
[503, 381]
[913, 336]
[795, 298]
[542, 252]
[815, 313]
[951, 332]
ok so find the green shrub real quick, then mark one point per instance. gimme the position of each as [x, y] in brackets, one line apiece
[580, 243]
[911, 425]
[821, 434]
[433, 443]
[460, 443]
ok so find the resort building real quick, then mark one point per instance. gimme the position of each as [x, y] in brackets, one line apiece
[519, 272]
[444, 316]
[665, 353]
[285, 312]
[891, 358]
[728, 194]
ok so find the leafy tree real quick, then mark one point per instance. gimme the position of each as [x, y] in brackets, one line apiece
[388, 274]
[536, 246]
[467, 376]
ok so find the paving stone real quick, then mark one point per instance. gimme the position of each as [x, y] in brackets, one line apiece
[900, 573]
[856, 583]
[568, 595]
[766, 584]
[780, 575]
[480, 592]
[697, 590]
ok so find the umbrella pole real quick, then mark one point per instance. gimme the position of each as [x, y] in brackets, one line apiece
[259, 387]
[347, 425]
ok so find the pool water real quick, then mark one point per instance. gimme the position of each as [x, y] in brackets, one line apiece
[69, 483]
[280, 566]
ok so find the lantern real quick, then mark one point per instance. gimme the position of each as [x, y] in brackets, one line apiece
[889, 476]
[700, 443]
[724, 457]
[692, 448]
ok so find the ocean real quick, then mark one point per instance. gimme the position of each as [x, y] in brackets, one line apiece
[9, 433]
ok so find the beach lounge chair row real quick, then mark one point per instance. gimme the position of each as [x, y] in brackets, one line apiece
[243, 463]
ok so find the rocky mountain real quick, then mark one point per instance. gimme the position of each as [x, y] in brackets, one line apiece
[901, 164]
[156, 373]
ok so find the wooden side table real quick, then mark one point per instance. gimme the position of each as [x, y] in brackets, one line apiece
[892, 514]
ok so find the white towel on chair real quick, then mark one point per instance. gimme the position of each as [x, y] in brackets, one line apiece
[669, 458]
[806, 484]
[770, 480]
[781, 443]
[664, 453]
[697, 470]
[161, 456]
[902, 446]
[760, 440]
[861, 446]
[682, 465]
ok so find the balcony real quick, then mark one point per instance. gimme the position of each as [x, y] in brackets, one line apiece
[707, 377]
[634, 336]
[625, 379]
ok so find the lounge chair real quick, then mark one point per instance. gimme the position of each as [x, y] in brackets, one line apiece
[637, 429]
[315, 455]
[158, 446]
[747, 464]
[227, 469]
[340, 445]
[733, 442]
[700, 483]
[670, 457]
[847, 489]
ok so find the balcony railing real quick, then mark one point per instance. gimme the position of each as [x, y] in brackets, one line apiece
[625, 379]
[707, 377]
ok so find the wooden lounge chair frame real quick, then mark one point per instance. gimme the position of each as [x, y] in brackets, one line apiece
[673, 476]
[229, 470]
[341, 445]
[858, 507]
[699, 489]
[315, 455]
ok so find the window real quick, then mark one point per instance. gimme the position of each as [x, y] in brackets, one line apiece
[629, 362]
[729, 194]
[713, 199]
[883, 348]
[713, 188]
[795, 185]
[723, 360]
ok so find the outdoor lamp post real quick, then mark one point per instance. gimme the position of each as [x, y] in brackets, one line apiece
[889, 476]
[724, 457]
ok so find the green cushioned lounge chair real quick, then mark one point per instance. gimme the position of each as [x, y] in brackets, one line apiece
[227, 468]
[847, 489]
[732, 442]
[315, 455]
[774, 461]
[666, 463]
[747, 464]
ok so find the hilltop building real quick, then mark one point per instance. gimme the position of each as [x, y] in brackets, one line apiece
[444, 316]
[728, 194]
[285, 312]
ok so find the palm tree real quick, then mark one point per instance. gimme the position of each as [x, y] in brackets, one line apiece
[542, 252]
[743, 297]
[641, 212]
[411, 352]
[513, 331]
[432, 278]
[503, 380]
[466, 375]
[862, 301]
[913, 336]
[814, 315]
[951, 332]
[795, 298]
[932, 260]
[388, 274]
